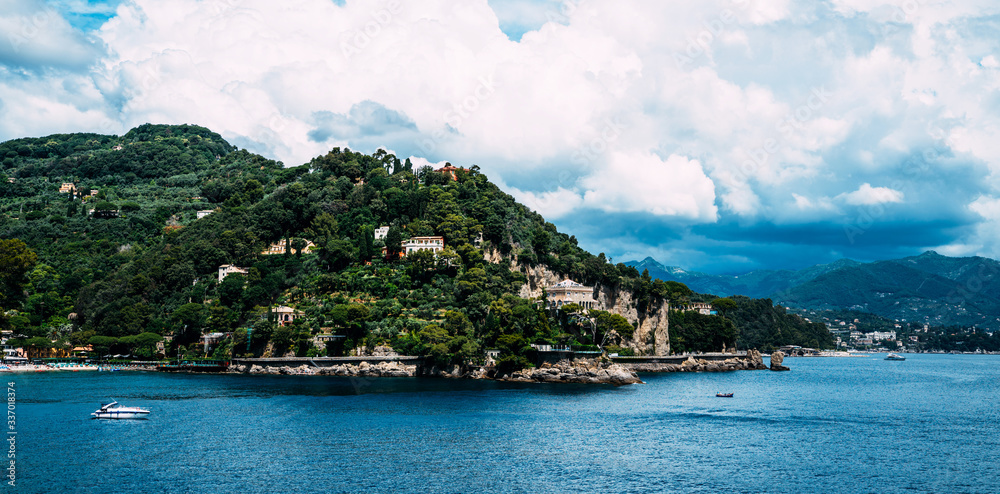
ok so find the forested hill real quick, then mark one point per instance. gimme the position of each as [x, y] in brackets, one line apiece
[120, 257]
[929, 288]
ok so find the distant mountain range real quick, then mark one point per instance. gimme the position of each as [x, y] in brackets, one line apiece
[929, 288]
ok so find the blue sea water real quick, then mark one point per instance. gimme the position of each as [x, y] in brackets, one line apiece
[929, 424]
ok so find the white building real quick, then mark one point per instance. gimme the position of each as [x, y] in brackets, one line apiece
[702, 308]
[433, 244]
[205, 212]
[286, 315]
[279, 248]
[570, 292]
[381, 232]
[883, 335]
[228, 269]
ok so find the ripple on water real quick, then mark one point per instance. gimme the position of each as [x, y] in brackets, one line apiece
[829, 425]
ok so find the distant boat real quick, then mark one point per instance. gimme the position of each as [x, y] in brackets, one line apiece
[723, 395]
[893, 356]
[110, 411]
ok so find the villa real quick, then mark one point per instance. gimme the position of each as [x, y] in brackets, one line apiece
[286, 315]
[570, 292]
[433, 244]
[228, 269]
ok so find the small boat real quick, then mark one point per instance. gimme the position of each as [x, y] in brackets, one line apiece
[723, 395]
[893, 356]
[110, 411]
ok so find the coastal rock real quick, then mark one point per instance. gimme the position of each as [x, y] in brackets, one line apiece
[591, 371]
[751, 361]
[754, 360]
[776, 359]
[361, 369]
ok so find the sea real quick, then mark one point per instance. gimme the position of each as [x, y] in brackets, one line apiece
[856, 425]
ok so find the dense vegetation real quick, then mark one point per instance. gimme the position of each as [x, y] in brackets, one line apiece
[123, 267]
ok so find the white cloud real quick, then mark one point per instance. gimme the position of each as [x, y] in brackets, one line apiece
[552, 205]
[866, 195]
[37, 38]
[643, 182]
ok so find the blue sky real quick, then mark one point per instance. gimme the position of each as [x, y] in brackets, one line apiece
[720, 136]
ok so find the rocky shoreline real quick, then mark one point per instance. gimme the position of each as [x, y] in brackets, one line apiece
[598, 370]
[590, 371]
[751, 361]
[584, 371]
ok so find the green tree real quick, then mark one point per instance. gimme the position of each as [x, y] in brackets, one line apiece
[16, 261]
[231, 289]
[105, 209]
[393, 242]
[102, 344]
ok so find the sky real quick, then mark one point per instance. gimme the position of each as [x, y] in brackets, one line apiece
[719, 136]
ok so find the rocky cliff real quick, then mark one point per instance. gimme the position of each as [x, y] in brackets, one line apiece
[651, 337]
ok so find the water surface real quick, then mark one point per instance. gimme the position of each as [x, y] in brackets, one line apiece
[929, 424]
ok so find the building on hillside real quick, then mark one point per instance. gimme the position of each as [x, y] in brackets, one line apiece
[211, 339]
[385, 253]
[67, 187]
[204, 212]
[285, 315]
[883, 336]
[34, 352]
[381, 232]
[570, 292]
[279, 248]
[701, 308]
[450, 170]
[228, 269]
[433, 244]
[117, 147]
[11, 179]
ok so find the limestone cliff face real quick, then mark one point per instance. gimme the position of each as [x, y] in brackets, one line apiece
[538, 277]
[652, 336]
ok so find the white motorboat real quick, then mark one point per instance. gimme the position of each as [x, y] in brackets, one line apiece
[110, 411]
[893, 356]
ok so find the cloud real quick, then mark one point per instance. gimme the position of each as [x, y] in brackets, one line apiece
[517, 17]
[554, 204]
[365, 119]
[866, 195]
[643, 182]
[36, 38]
